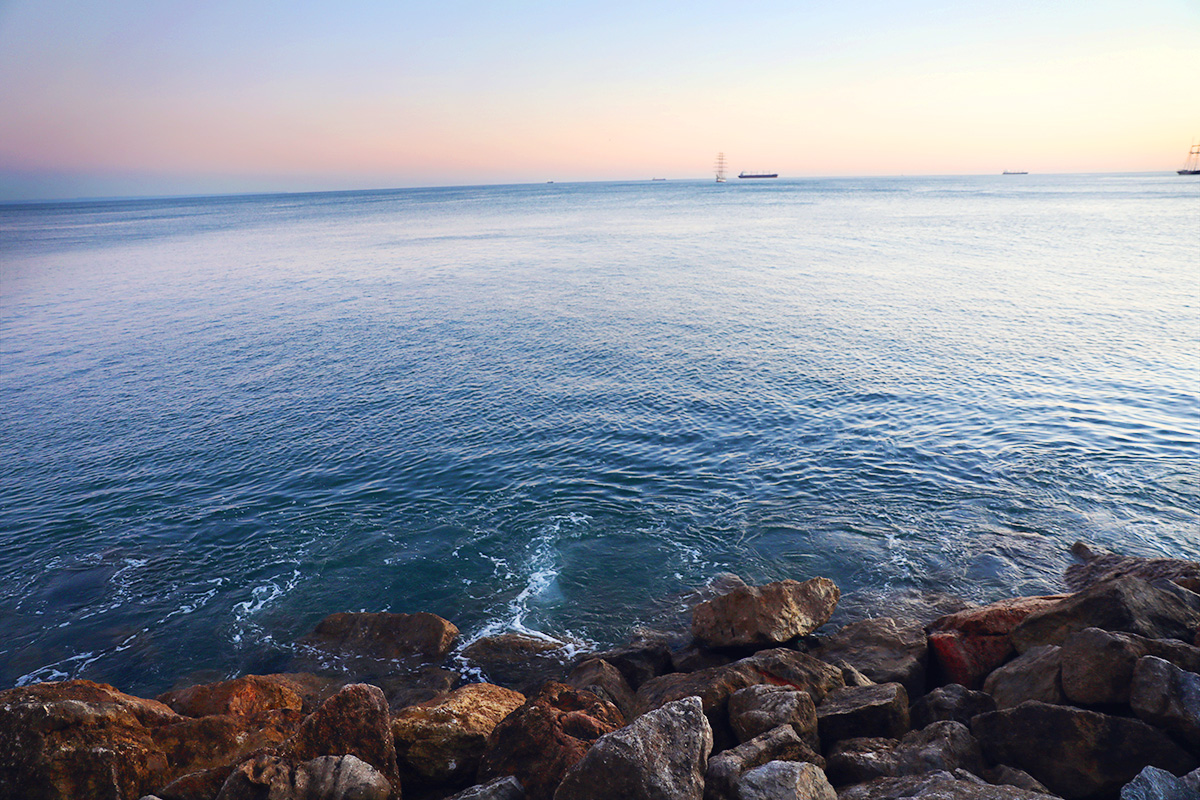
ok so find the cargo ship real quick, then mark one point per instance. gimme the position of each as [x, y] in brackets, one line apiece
[758, 174]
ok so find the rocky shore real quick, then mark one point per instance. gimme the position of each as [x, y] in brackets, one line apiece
[1093, 693]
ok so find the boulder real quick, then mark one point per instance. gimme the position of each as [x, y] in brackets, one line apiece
[786, 780]
[1097, 665]
[1076, 753]
[694, 657]
[518, 661]
[1192, 779]
[1034, 675]
[1153, 783]
[950, 702]
[859, 711]
[367, 641]
[412, 685]
[966, 645]
[441, 742]
[1100, 565]
[1167, 697]
[647, 656]
[321, 778]
[544, 738]
[661, 755]
[1004, 775]
[883, 649]
[940, 785]
[942, 745]
[244, 696]
[725, 769]
[506, 788]
[1159, 610]
[763, 616]
[602, 679]
[763, 707]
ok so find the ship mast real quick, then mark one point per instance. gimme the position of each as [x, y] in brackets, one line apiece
[720, 167]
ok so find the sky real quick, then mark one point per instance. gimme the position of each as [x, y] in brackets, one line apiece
[154, 97]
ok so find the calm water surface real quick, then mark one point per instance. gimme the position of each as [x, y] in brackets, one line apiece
[554, 408]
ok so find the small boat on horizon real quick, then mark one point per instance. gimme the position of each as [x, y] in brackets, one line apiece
[1013, 172]
[1192, 165]
[758, 174]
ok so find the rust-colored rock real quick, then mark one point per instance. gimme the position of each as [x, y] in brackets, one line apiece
[441, 742]
[764, 616]
[244, 696]
[546, 736]
[606, 682]
[273, 777]
[383, 636]
[967, 645]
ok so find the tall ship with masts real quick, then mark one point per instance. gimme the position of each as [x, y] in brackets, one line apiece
[720, 167]
[1192, 167]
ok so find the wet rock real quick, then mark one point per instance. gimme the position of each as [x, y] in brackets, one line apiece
[1167, 697]
[1034, 675]
[950, 702]
[250, 695]
[546, 736]
[367, 640]
[1098, 665]
[404, 687]
[725, 769]
[1100, 565]
[863, 711]
[1160, 610]
[763, 616]
[966, 645]
[940, 785]
[647, 656]
[758, 709]
[1153, 783]
[1076, 753]
[661, 755]
[518, 661]
[441, 742]
[321, 778]
[883, 649]
[602, 679]
[786, 780]
[506, 788]
[941, 746]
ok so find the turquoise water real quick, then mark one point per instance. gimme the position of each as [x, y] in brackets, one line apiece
[555, 407]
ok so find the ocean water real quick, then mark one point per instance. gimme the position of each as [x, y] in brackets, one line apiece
[559, 408]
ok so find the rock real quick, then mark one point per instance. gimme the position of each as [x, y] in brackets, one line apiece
[786, 780]
[247, 695]
[884, 650]
[352, 722]
[941, 785]
[413, 685]
[1098, 665]
[943, 745]
[518, 661]
[852, 676]
[1192, 779]
[602, 679]
[757, 709]
[1004, 775]
[1100, 566]
[322, 778]
[762, 616]
[441, 742]
[647, 656]
[695, 657]
[858, 711]
[967, 645]
[725, 769]
[367, 642]
[661, 755]
[1160, 610]
[506, 788]
[950, 702]
[1153, 783]
[544, 738]
[1076, 753]
[797, 670]
[1167, 697]
[1034, 675]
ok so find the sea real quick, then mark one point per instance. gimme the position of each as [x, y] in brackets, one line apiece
[560, 408]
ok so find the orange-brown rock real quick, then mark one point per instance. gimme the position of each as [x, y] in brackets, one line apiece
[441, 742]
[763, 616]
[246, 696]
[968, 644]
[384, 636]
[546, 736]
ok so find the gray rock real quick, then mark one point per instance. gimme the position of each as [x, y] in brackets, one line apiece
[953, 702]
[785, 780]
[1153, 783]
[1036, 674]
[1097, 665]
[1004, 775]
[1167, 697]
[322, 778]
[1100, 565]
[884, 650]
[662, 755]
[858, 711]
[756, 710]
[726, 769]
[506, 788]
[762, 616]
[941, 785]
[941, 746]
[1192, 779]
[852, 676]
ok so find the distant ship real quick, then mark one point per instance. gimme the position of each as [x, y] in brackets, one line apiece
[1014, 172]
[1192, 167]
[758, 174]
[720, 167]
